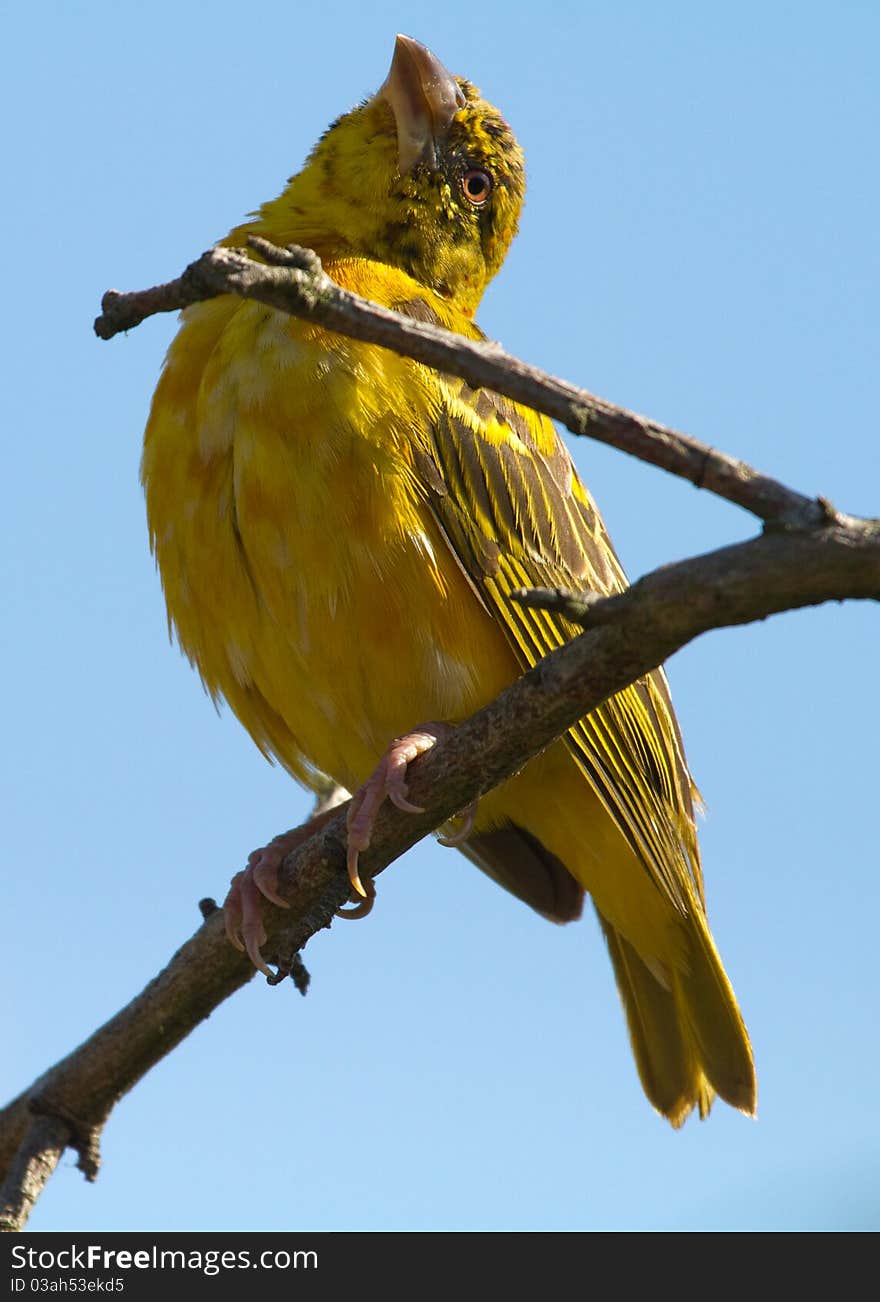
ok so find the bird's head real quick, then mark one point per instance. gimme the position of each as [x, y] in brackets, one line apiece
[424, 176]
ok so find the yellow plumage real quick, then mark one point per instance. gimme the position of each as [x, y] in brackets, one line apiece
[338, 531]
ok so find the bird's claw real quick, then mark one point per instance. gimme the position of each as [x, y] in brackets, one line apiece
[258, 881]
[458, 837]
[359, 907]
[387, 782]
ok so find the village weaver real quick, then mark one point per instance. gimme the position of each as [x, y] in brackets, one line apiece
[339, 531]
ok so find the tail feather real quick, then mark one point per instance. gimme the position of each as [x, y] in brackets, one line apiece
[666, 1063]
[714, 1023]
[689, 1040]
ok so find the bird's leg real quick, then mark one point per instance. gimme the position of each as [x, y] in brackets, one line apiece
[388, 782]
[258, 881]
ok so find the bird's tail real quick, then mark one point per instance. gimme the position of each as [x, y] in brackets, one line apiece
[688, 1036]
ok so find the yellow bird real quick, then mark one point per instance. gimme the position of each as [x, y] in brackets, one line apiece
[338, 531]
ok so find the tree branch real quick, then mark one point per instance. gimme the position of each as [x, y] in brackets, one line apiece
[811, 554]
[40, 1152]
[296, 283]
[777, 571]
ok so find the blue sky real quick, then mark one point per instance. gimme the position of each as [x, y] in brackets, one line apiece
[699, 243]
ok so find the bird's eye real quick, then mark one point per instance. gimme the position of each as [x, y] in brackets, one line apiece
[476, 186]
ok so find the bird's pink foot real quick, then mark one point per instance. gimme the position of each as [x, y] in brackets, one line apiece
[242, 907]
[388, 782]
[360, 907]
[257, 882]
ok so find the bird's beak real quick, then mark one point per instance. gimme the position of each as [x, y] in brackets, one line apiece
[424, 98]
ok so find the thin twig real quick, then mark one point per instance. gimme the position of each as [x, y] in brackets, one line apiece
[296, 283]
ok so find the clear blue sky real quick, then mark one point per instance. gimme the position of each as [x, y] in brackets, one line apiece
[699, 243]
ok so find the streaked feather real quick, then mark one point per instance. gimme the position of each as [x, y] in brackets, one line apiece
[503, 488]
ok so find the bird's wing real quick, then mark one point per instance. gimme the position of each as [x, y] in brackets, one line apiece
[502, 487]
